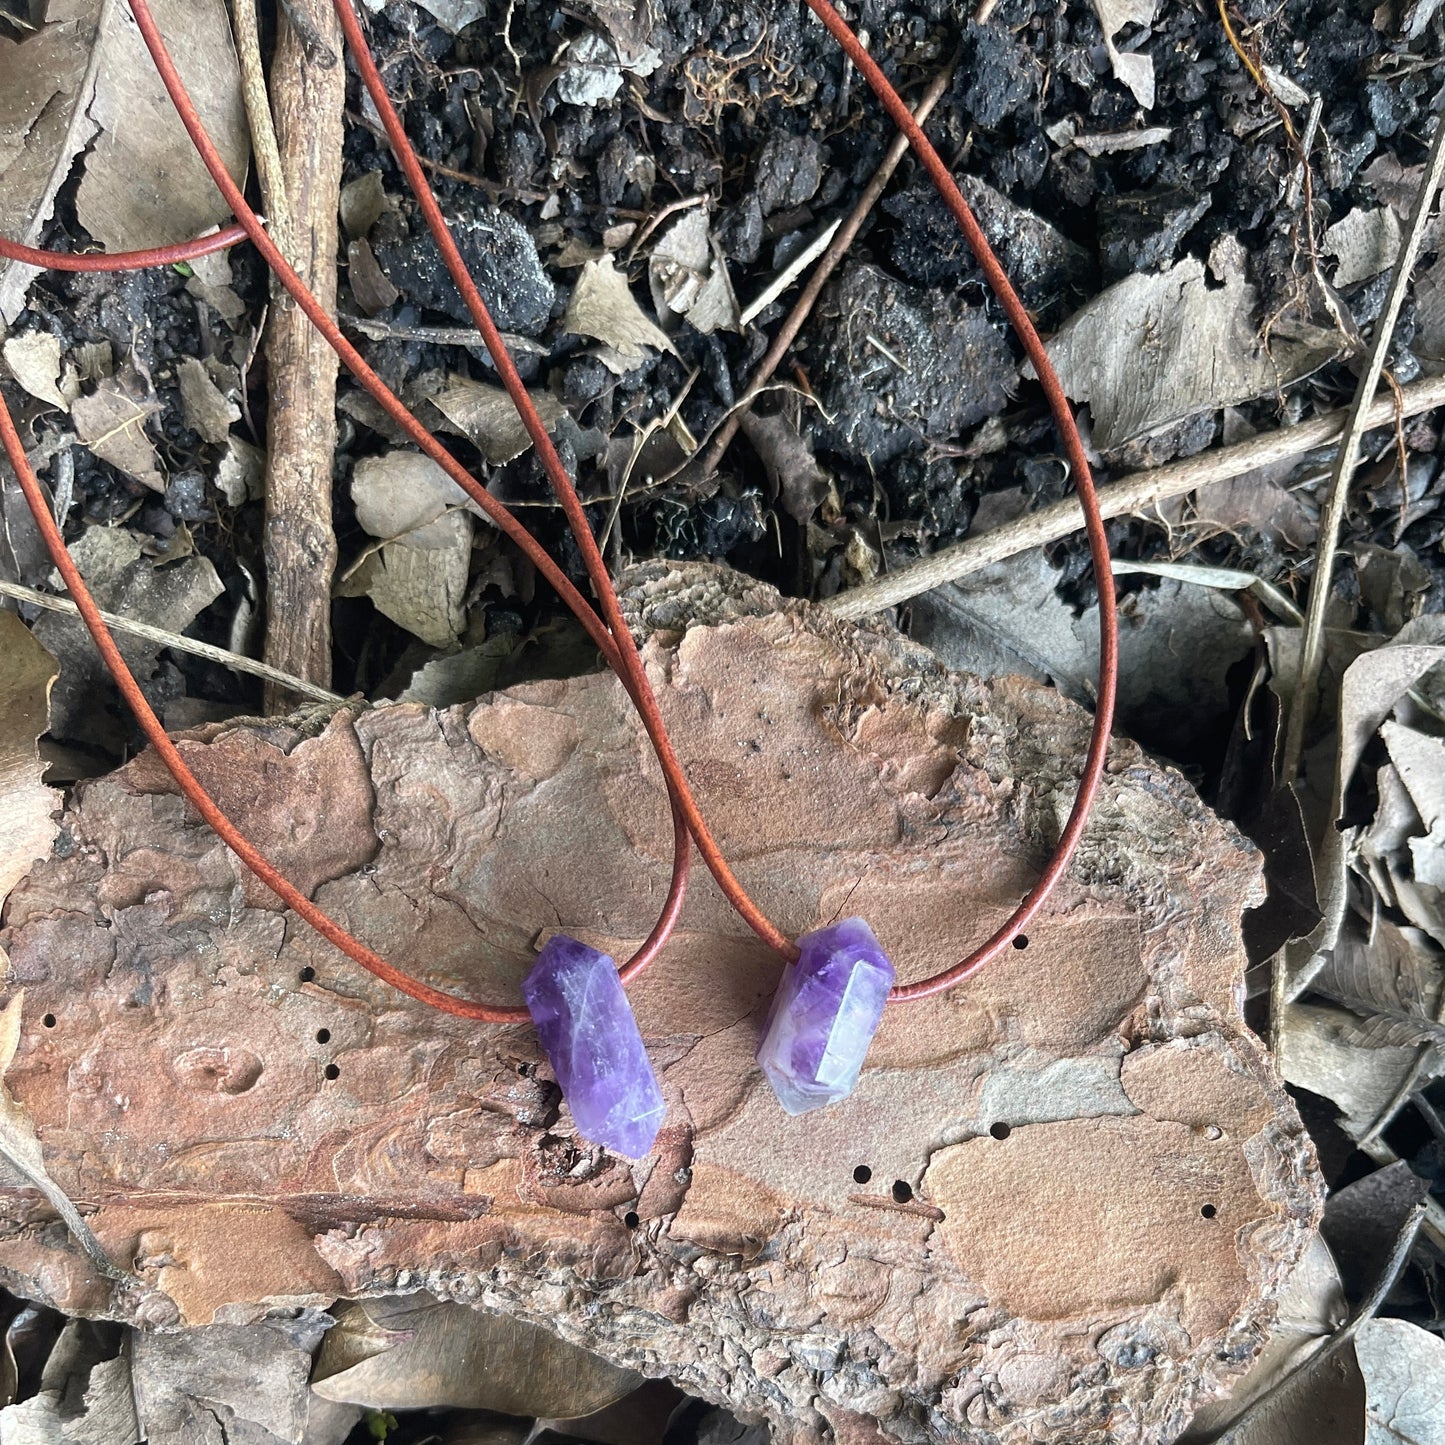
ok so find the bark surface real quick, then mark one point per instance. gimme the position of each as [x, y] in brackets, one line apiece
[1057, 1208]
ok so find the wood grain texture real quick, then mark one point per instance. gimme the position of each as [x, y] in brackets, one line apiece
[308, 97]
[1083, 1278]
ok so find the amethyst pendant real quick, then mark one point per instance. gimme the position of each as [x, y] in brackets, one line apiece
[586, 1026]
[826, 1011]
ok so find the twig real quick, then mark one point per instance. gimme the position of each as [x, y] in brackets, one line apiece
[838, 248]
[377, 330]
[234, 660]
[1117, 499]
[1338, 495]
[263, 129]
[300, 545]
[789, 274]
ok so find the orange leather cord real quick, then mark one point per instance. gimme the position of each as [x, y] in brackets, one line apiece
[182, 251]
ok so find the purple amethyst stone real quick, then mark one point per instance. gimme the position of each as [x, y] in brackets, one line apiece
[586, 1026]
[824, 1016]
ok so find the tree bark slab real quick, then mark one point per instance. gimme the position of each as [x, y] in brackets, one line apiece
[1058, 1207]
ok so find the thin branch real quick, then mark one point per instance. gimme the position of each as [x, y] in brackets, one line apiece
[838, 248]
[234, 660]
[1312, 649]
[263, 129]
[1118, 499]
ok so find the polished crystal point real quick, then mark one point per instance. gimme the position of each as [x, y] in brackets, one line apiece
[586, 1026]
[824, 1016]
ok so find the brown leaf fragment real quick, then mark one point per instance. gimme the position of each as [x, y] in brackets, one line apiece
[412, 1352]
[34, 361]
[1404, 1370]
[209, 412]
[800, 483]
[603, 307]
[489, 419]
[369, 283]
[111, 423]
[144, 184]
[26, 804]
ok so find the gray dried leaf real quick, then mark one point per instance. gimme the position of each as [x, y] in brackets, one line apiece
[799, 482]
[688, 277]
[45, 84]
[112, 424]
[123, 580]
[1392, 979]
[413, 1352]
[399, 491]
[489, 419]
[1404, 1370]
[604, 308]
[1419, 760]
[144, 184]
[1363, 243]
[209, 412]
[1135, 71]
[241, 473]
[34, 361]
[1155, 349]
[1311, 1308]
[226, 1384]
[419, 579]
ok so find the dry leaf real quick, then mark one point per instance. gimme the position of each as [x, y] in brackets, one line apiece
[230, 1383]
[688, 276]
[112, 424]
[362, 202]
[241, 472]
[489, 419]
[1364, 243]
[1136, 71]
[144, 184]
[34, 361]
[603, 307]
[209, 412]
[20, 1148]
[1154, 349]
[26, 827]
[399, 491]
[419, 579]
[1404, 1370]
[1325, 1405]
[411, 1352]
[44, 86]
[123, 580]
[799, 483]
[1316, 1052]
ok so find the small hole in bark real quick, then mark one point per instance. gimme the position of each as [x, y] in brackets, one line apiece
[307, 974]
[1021, 940]
[1000, 1130]
[1208, 1211]
[323, 1036]
[48, 1021]
[902, 1191]
[331, 1071]
[862, 1174]
[630, 1219]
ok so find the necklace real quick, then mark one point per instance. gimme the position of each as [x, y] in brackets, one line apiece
[837, 979]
